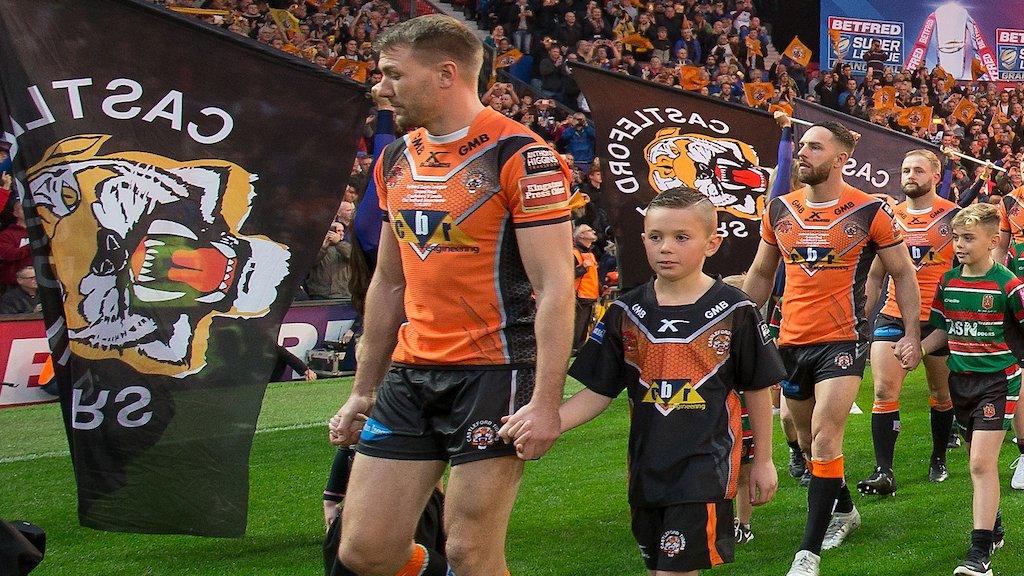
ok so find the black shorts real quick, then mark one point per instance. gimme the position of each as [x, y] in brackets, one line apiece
[685, 537]
[890, 329]
[808, 365]
[444, 414]
[980, 400]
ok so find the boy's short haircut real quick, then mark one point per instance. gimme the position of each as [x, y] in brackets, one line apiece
[977, 215]
[685, 197]
[840, 133]
[436, 37]
[929, 156]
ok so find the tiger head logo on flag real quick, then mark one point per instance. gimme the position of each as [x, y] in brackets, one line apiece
[148, 251]
[726, 170]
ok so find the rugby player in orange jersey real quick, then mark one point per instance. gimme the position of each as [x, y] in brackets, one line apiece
[477, 225]
[828, 233]
[925, 220]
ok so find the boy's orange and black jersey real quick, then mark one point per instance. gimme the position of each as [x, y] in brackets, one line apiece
[827, 248]
[682, 367]
[929, 238]
[1011, 214]
[454, 204]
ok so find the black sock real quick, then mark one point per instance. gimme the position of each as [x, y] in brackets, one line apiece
[821, 496]
[1020, 445]
[885, 427]
[844, 503]
[794, 446]
[982, 540]
[942, 425]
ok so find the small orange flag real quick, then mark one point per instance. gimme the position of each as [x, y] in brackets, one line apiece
[834, 36]
[354, 69]
[884, 98]
[638, 41]
[781, 107]
[977, 69]
[965, 111]
[758, 92]
[506, 59]
[798, 52]
[914, 117]
[691, 78]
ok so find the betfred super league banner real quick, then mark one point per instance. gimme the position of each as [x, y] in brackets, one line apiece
[173, 176]
[877, 160]
[968, 38]
[652, 138]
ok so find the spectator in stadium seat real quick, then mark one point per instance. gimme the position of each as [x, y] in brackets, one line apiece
[587, 282]
[570, 31]
[552, 74]
[827, 91]
[328, 278]
[578, 138]
[22, 298]
[14, 247]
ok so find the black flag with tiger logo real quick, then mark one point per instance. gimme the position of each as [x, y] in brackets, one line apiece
[171, 174]
[652, 138]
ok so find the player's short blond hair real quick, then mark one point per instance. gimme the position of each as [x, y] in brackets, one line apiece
[929, 156]
[984, 215]
[434, 38]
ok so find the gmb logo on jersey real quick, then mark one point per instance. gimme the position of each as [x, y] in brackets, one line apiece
[429, 231]
[667, 395]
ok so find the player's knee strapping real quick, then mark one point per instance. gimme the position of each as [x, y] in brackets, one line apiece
[423, 562]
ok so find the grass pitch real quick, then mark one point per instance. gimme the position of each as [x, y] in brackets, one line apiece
[571, 517]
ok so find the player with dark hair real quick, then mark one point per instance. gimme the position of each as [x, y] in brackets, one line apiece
[827, 233]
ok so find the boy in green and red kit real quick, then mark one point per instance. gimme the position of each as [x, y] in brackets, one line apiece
[979, 311]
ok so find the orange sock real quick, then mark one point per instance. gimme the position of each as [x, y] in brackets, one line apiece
[415, 565]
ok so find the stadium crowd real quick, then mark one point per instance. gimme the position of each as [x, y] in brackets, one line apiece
[716, 48]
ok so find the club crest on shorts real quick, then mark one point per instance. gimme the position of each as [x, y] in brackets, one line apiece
[987, 301]
[844, 360]
[719, 341]
[672, 543]
[989, 411]
[481, 434]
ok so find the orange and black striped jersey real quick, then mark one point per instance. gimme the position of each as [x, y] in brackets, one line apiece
[454, 204]
[682, 367]
[1011, 215]
[827, 248]
[929, 237]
